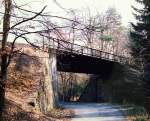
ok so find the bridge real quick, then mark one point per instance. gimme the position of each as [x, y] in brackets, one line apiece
[82, 59]
[68, 57]
[75, 58]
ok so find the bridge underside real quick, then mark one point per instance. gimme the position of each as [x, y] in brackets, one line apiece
[70, 62]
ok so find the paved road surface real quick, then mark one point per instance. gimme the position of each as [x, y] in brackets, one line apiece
[95, 112]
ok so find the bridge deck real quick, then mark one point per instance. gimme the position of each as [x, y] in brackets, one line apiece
[62, 45]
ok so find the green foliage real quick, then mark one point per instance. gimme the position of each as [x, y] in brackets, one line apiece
[124, 86]
[106, 38]
[140, 119]
[136, 44]
[140, 33]
[134, 112]
[140, 37]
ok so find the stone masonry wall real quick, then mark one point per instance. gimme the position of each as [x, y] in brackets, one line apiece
[42, 66]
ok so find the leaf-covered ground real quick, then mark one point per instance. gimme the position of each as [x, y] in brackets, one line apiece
[20, 87]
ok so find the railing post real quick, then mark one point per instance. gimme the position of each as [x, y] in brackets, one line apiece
[71, 47]
[113, 57]
[53, 44]
[91, 52]
[82, 50]
[100, 54]
[58, 44]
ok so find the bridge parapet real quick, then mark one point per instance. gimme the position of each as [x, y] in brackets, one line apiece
[62, 45]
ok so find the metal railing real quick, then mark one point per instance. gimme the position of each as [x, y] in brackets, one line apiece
[66, 46]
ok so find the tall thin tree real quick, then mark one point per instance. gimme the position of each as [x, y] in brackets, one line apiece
[6, 51]
[6, 26]
[141, 44]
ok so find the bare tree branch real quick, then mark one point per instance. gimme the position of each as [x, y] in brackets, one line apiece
[31, 18]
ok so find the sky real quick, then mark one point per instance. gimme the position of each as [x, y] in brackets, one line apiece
[123, 7]
[59, 7]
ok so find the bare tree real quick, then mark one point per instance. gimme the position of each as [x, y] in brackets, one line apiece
[22, 26]
[4, 56]
[18, 30]
[68, 82]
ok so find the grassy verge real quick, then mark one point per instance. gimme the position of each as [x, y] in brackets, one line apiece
[135, 113]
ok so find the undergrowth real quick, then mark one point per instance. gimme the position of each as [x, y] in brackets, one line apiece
[135, 113]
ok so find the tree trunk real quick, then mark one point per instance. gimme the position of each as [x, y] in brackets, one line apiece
[2, 84]
[2, 98]
[146, 79]
[4, 56]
